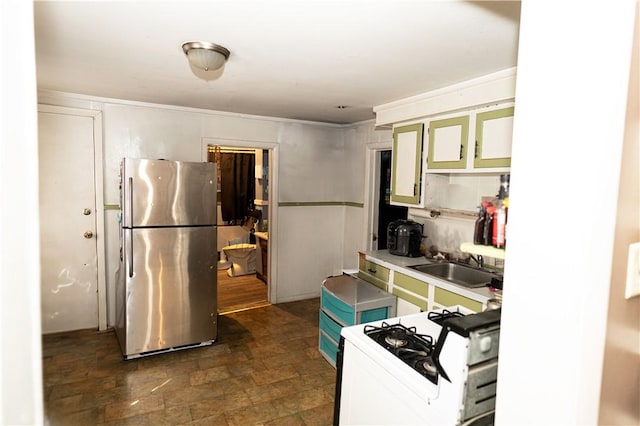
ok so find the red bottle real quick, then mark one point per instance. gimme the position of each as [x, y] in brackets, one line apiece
[499, 225]
[488, 226]
[499, 237]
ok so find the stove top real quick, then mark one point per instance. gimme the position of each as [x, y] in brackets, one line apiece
[406, 343]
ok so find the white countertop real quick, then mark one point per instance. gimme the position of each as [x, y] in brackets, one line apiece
[401, 264]
[263, 235]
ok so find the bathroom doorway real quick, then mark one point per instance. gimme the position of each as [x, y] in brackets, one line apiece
[243, 225]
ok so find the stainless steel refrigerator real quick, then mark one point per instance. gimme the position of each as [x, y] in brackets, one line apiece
[166, 291]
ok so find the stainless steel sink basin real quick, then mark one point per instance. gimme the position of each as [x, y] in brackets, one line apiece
[456, 273]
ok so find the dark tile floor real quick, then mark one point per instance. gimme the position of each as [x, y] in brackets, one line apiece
[265, 368]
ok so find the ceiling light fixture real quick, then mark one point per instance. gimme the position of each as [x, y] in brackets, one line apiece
[206, 56]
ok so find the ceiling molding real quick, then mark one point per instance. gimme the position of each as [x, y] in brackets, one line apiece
[492, 88]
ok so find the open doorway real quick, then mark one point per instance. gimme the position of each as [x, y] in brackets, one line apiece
[243, 217]
[386, 212]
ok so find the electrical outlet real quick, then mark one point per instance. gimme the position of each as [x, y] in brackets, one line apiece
[632, 288]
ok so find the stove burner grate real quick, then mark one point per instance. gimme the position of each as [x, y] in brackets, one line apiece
[405, 343]
[439, 317]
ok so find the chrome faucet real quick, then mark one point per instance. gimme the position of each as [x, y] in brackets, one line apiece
[479, 260]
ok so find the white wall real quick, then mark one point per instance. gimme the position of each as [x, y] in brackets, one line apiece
[573, 69]
[464, 192]
[357, 137]
[21, 353]
[312, 163]
[311, 222]
[620, 395]
[308, 232]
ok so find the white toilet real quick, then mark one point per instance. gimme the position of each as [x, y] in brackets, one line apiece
[242, 258]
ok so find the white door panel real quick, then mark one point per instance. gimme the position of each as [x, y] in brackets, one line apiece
[67, 222]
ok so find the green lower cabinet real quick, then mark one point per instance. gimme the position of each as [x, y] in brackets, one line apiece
[382, 285]
[447, 298]
[411, 290]
[413, 285]
[414, 300]
[373, 273]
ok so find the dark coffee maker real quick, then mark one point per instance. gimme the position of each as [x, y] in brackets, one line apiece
[404, 238]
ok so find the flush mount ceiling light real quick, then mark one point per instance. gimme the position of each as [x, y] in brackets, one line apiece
[205, 56]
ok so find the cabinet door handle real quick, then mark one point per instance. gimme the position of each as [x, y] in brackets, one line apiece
[475, 150]
[461, 151]
[373, 271]
[414, 189]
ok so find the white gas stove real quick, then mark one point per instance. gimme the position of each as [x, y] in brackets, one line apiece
[436, 368]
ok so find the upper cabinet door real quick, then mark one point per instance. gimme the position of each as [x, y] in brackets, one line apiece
[494, 130]
[448, 143]
[407, 164]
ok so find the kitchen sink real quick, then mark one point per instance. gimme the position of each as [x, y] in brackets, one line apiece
[465, 276]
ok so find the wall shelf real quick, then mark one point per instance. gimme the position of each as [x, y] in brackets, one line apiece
[433, 213]
[481, 250]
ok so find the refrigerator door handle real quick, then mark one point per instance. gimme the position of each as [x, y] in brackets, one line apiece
[130, 236]
[131, 201]
[131, 224]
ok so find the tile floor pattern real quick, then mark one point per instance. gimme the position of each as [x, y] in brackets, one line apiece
[265, 368]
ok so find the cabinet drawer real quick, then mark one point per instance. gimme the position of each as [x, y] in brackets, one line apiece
[373, 273]
[328, 348]
[414, 300]
[373, 269]
[373, 315]
[383, 285]
[329, 326]
[336, 308]
[447, 298]
[412, 284]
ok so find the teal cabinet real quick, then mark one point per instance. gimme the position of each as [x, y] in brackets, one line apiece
[346, 301]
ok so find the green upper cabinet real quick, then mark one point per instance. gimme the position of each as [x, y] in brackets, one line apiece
[406, 165]
[448, 143]
[494, 131]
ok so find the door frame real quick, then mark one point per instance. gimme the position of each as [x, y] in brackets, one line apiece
[372, 191]
[98, 180]
[273, 149]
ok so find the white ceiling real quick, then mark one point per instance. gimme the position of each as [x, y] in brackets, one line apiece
[289, 59]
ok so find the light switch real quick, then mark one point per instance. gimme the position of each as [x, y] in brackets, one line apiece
[633, 272]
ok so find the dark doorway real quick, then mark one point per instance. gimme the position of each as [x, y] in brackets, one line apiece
[386, 212]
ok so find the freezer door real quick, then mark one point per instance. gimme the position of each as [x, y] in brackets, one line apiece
[167, 193]
[171, 288]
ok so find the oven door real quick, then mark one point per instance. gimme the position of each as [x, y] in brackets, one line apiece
[378, 388]
[371, 395]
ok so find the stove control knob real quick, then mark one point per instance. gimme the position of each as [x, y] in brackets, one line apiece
[485, 344]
